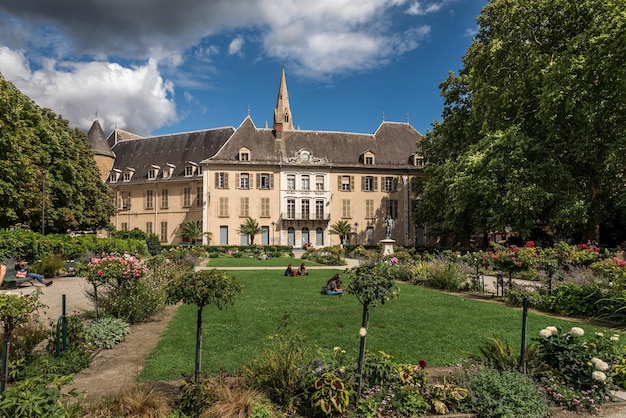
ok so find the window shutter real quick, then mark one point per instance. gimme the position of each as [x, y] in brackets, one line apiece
[217, 180]
[258, 180]
[226, 180]
[339, 182]
[363, 178]
[237, 183]
[395, 185]
[375, 184]
[272, 181]
[351, 183]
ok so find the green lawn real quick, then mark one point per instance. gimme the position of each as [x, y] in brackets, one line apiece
[422, 324]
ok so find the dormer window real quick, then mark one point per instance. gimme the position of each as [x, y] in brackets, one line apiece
[418, 161]
[128, 174]
[189, 171]
[244, 154]
[199, 171]
[168, 171]
[368, 158]
[114, 175]
[152, 174]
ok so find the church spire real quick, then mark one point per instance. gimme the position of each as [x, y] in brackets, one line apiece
[282, 112]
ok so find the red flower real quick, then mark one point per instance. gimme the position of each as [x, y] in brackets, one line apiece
[422, 364]
[99, 273]
[530, 244]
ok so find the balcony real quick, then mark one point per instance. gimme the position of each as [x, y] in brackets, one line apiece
[304, 216]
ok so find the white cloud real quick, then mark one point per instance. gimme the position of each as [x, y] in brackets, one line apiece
[235, 46]
[132, 98]
[420, 9]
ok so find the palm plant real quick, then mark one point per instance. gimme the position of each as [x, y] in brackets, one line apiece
[192, 230]
[343, 229]
[251, 228]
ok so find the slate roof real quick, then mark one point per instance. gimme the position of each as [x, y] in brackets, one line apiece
[393, 144]
[141, 153]
[97, 142]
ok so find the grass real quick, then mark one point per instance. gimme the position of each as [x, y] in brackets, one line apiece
[423, 324]
[253, 262]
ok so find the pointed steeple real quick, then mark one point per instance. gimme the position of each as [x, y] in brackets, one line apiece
[103, 155]
[282, 112]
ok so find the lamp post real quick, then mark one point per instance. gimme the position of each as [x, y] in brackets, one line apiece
[43, 202]
[356, 233]
[273, 224]
[128, 224]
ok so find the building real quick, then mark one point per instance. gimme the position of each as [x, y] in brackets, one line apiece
[295, 183]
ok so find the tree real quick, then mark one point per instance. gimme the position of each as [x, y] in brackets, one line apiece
[203, 288]
[533, 124]
[343, 229]
[40, 153]
[192, 230]
[251, 228]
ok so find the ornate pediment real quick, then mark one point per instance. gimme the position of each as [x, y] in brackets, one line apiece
[304, 157]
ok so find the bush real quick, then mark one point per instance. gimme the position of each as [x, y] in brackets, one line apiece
[493, 393]
[26, 337]
[443, 274]
[106, 333]
[50, 265]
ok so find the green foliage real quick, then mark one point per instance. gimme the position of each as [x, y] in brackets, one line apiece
[278, 371]
[330, 395]
[372, 284]
[26, 336]
[196, 396]
[574, 299]
[106, 333]
[191, 231]
[446, 396]
[496, 394]
[154, 244]
[40, 149]
[251, 228]
[343, 229]
[35, 397]
[204, 287]
[50, 265]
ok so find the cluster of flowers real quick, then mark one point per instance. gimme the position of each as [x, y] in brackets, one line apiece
[512, 259]
[115, 267]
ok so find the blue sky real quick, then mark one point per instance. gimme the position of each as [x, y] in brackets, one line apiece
[162, 66]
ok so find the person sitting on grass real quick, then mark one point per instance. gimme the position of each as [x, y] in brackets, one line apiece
[333, 286]
[22, 272]
[289, 270]
[302, 270]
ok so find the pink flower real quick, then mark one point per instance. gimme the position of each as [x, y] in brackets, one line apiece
[99, 273]
[530, 244]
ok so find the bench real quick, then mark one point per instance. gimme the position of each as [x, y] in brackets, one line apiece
[10, 281]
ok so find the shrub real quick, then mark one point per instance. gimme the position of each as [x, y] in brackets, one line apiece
[106, 333]
[50, 265]
[330, 395]
[140, 400]
[493, 393]
[26, 337]
[34, 397]
[445, 274]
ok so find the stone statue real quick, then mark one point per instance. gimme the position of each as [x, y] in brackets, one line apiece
[389, 222]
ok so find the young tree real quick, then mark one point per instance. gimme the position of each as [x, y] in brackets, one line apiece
[192, 230]
[203, 288]
[343, 229]
[251, 228]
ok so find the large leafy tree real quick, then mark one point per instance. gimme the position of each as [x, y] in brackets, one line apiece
[533, 129]
[40, 152]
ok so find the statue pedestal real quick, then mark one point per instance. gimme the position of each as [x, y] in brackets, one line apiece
[387, 245]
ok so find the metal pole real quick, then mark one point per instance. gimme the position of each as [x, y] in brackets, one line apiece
[362, 350]
[128, 225]
[522, 357]
[43, 202]
[5, 357]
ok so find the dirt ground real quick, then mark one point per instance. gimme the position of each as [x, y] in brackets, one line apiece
[110, 371]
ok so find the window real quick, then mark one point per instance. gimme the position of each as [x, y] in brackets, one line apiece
[164, 198]
[369, 208]
[163, 236]
[345, 183]
[392, 208]
[265, 207]
[200, 170]
[149, 199]
[189, 170]
[221, 180]
[345, 208]
[264, 180]
[305, 208]
[125, 200]
[124, 226]
[113, 177]
[369, 183]
[305, 182]
[244, 181]
[291, 208]
[223, 208]
[291, 182]
[369, 160]
[151, 174]
[186, 197]
[390, 184]
[127, 176]
[199, 196]
[319, 209]
[319, 183]
[148, 227]
[166, 174]
[369, 234]
[244, 207]
[244, 156]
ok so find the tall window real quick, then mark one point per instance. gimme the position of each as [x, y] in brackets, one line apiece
[369, 208]
[291, 182]
[389, 184]
[265, 207]
[305, 208]
[319, 183]
[368, 183]
[305, 182]
[186, 196]
[200, 170]
[346, 211]
[369, 160]
[244, 207]
[149, 228]
[223, 208]
[263, 181]
[163, 237]
[291, 208]
[149, 199]
[319, 209]
[199, 196]
[164, 198]
[345, 183]
[189, 171]
[221, 180]
[392, 208]
[151, 174]
[126, 176]
[244, 181]
[124, 226]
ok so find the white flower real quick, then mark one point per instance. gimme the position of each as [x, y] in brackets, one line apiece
[576, 332]
[599, 376]
[545, 333]
[363, 332]
[342, 369]
[599, 334]
[615, 337]
[553, 330]
[336, 349]
[599, 364]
